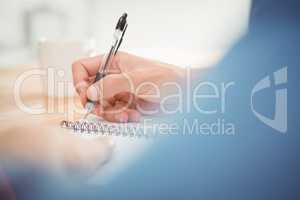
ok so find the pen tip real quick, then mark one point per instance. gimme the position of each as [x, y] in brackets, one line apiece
[85, 116]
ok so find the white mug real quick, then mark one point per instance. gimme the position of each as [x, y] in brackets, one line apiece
[56, 58]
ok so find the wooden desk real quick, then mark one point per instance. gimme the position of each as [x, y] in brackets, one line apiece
[38, 138]
[32, 95]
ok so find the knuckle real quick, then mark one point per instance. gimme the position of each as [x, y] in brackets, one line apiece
[75, 65]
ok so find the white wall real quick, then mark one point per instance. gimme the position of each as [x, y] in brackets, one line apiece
[179, 32]
[192, 30]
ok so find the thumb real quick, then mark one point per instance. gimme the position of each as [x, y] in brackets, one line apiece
[109, 86]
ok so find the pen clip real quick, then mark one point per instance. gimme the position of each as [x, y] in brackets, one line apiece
[122, 22]
[121, 39]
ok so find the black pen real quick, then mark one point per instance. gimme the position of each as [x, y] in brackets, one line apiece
[117, 40]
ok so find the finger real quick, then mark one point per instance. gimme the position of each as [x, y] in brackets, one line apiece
[128, 98]
[100, 108]
[120, 113]
[133, 115]
[83, 98]
[134, 82]
[146, 107]
[109, 86]
[128, 115]
[114, 114]
[84, 69]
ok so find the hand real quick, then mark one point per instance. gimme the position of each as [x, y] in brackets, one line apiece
[40, 141]
[133, 85]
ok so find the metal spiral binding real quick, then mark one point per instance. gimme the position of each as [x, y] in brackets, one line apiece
[100, 128]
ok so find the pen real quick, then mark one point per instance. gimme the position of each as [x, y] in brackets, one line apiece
[117, 40]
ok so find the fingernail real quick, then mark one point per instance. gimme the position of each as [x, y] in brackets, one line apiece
[92, 93]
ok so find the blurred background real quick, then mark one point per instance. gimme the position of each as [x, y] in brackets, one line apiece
[163, 30]
[257, 163]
